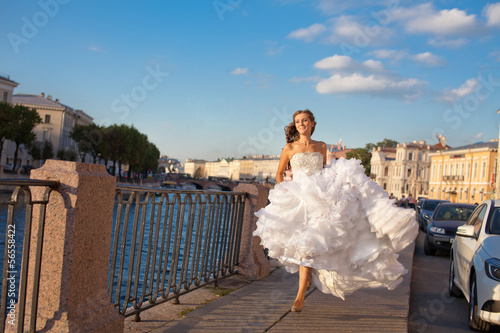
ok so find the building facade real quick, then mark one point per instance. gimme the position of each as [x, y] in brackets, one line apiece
[7, 89]
[58, 120]
[464, 174]
[336, 151]
[403, 170]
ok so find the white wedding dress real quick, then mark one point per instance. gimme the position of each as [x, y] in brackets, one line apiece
[337, 221]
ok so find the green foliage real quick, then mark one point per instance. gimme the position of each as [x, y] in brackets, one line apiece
[387, 143]
[35, 150]
[151, 156]
[66, 154]
[89, 140]
[6, 122]
[362, 155]
[220, 291]
[47, 150]
[24, 121]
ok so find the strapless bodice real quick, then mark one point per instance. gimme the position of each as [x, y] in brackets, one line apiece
[309, 162]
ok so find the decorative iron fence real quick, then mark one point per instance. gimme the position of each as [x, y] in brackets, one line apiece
[169, 242]
[16, 219]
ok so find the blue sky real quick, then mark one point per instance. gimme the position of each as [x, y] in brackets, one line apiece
[210, 79]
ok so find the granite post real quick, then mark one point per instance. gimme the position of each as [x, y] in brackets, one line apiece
[253, 263]
[76, 247]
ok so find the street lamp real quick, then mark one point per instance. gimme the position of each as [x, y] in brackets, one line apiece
[497, 175]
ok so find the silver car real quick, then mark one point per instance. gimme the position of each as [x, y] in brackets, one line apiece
[475, 265]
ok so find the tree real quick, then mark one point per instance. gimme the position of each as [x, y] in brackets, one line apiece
[89, 140]
[362, 155]
[47, 150]
[136, 148]
[25, 120]
[35, 150]
[387, 143]
[116, 145]
[151, 156]
[6, 122]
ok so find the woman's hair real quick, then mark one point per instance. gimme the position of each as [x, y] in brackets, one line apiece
[291, 133]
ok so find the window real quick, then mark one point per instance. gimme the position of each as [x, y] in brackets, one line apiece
[47, 118]
[5, 96]
[483, 170]
[468, 170]
[477, 219]
[474, 171]
[386, 171]
[46, 135]
[410, 156]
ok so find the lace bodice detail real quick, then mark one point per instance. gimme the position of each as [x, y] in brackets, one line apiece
[309, 162]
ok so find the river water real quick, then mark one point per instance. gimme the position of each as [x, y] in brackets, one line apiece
[153, 231]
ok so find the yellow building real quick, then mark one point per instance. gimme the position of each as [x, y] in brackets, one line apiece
[464, 174]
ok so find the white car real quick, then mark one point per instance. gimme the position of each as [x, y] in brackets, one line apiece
[475, 265]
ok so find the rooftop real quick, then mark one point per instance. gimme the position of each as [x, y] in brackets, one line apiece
[477, 145]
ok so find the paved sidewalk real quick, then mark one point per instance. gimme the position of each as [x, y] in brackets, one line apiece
[264, 306]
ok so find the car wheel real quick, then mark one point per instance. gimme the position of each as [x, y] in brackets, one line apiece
[428, 250]
[452, 287]
[475, 323]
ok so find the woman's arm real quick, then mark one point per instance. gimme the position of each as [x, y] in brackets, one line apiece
[285, 157]
[323, 151]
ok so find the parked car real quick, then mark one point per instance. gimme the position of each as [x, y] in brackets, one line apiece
[418, 208]
[475, 265]
[8, 167]
[426, 210]
[27, 168]
[445, 220]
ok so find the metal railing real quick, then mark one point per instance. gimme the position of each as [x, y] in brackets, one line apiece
[16, 219]
[166, 243]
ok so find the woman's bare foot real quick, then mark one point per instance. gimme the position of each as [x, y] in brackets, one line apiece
[297, 305]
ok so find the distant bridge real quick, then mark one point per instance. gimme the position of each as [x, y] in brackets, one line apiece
[200, 184]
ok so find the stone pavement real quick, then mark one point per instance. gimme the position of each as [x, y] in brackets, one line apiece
[264, 306]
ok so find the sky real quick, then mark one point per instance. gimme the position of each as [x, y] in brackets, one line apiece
[221, 78]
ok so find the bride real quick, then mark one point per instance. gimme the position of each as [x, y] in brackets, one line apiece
[332, 224]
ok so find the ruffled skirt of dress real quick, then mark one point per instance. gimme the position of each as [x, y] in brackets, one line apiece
[341, 224]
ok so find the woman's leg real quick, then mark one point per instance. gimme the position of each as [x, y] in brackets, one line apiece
[304, 277]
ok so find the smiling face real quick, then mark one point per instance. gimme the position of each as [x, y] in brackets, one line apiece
[304, 124]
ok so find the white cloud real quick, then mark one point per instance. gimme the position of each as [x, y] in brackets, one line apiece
[334, 62]
[341, 63]
[239, 71]
[330, 7]
[453, 95]
[448, 43]
[373, 85]
[492, 13]
[370, 77]
[308, 34]
[346, 29]
[95, 48]
[273, 48]
[478, 135]
[425, 19]
[427, 58]
[393, 55]
[495, 55]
